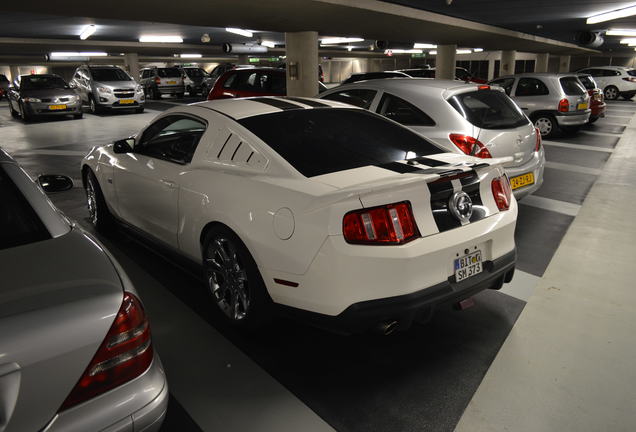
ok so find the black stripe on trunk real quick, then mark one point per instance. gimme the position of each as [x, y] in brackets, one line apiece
[400, 167]
[277, 103]
[310, 102]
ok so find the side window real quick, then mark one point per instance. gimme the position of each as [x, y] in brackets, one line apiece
[609, 72]
[401, 111]
[358, 97]
[277, 83]
[230, 82]
[531, 87]
[505, 83]
[172, 138]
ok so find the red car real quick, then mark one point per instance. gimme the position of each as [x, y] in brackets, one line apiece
[250, 82]
[597, 100]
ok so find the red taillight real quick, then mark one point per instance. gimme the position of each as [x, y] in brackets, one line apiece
[483, 87]
[469, 145]
[385, 225]
[502, 192]
[564, 105]
[157, 80]
[125, 353]
[537, 144]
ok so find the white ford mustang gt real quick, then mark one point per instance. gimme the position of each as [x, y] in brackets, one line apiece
[310, 207]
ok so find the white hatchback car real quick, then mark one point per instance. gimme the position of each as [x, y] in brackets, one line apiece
[462, 118]
[310, 207]
[615, 81]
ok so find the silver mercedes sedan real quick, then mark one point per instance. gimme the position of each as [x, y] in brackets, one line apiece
[472, 119]
[75, 346]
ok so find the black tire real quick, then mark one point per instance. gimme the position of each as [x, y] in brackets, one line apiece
[78, 116]
[98, 213]
[239, 270]
[610, 92]
[26, 117]
[14, 113]
[93, 106]
[155, 93]
[592, 120]
[139, 110]
[547, 125]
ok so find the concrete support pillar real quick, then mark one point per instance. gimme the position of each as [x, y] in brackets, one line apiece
[491, 69]
[243, 59]
[302, 63]
[15, 72]
[507, 62]
[564, 64]
[541, 64]
[131, 60]
[445, 62]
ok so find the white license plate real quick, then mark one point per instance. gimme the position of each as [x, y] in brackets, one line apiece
[468, 266]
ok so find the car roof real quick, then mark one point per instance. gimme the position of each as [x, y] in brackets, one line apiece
[411, 84]
[609, 67]
[241, 108]
[539, 74]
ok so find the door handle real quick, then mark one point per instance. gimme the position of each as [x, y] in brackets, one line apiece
[168, 183]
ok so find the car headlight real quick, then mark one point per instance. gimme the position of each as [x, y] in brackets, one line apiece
[104, 90]
[31, 99]
[139, 89]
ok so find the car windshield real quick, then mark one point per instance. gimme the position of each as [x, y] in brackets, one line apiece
[588, 82]
[571, 86]
[195, 73]
[168, 72]
[488, 109]
[326, 140]
[109, 74]
[20, 224]
[34, 82]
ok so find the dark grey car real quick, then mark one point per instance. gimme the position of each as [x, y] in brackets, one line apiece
[44, 94]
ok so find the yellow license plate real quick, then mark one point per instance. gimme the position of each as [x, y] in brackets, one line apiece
[57, 107]
[172, 82]
[126, 101]
[582, 106]
[522, 180]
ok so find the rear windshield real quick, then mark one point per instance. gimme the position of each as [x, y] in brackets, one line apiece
[195, 73]
[109, 74]
[33, 82]
[168, 72]
[571, 86]
[19, 224]
[325, 140]
[488, 109]
[374, 75]
[588, 82]
[420, 73]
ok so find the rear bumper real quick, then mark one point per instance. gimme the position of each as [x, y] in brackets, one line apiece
[173, 89]
[536, 165]
[598, 110]
[576, 118]
[42, 108]
[139, 405]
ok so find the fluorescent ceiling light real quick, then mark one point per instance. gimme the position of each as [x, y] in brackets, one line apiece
[403, 51]
[612, 15]
[191, 56]
[67, 54]
[463, 51]
[268, 44]
[621, 32]
[628, 40]
[339, 40]
[478, 49]
[423, 45]
[239, 31]
[433, 52]
[87, 32]
[161, 39]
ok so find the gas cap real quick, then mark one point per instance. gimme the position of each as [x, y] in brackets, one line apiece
[284, 223]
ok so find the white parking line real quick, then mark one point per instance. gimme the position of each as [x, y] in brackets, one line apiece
[578, 146]
[557, 206]
[619, 109]
[573, 168]
[600, 133]
[617, 116]
[605, 123]
[522, 285]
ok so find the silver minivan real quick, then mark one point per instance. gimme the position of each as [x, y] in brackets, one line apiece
[107, 87]
[472, 119]
[554, 102]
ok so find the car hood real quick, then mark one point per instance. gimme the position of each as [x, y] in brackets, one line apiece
[58, 298]
[116, 84]
[47, 93]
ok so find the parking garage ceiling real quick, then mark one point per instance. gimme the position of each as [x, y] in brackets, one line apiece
[370, 19]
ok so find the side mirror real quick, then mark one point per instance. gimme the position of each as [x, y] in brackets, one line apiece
[124, 145]
[52, 183]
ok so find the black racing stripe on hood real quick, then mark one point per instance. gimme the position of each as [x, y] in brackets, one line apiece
[309, 102]
[277, 103]
[430, 162]
[400, 167]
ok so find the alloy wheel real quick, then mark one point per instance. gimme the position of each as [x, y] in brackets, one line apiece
[227, 278]
[91, 200]
[544, 125]
[93, 107]
[611, 93]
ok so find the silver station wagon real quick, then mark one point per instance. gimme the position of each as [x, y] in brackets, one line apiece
[554, 102]
[473, 119]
